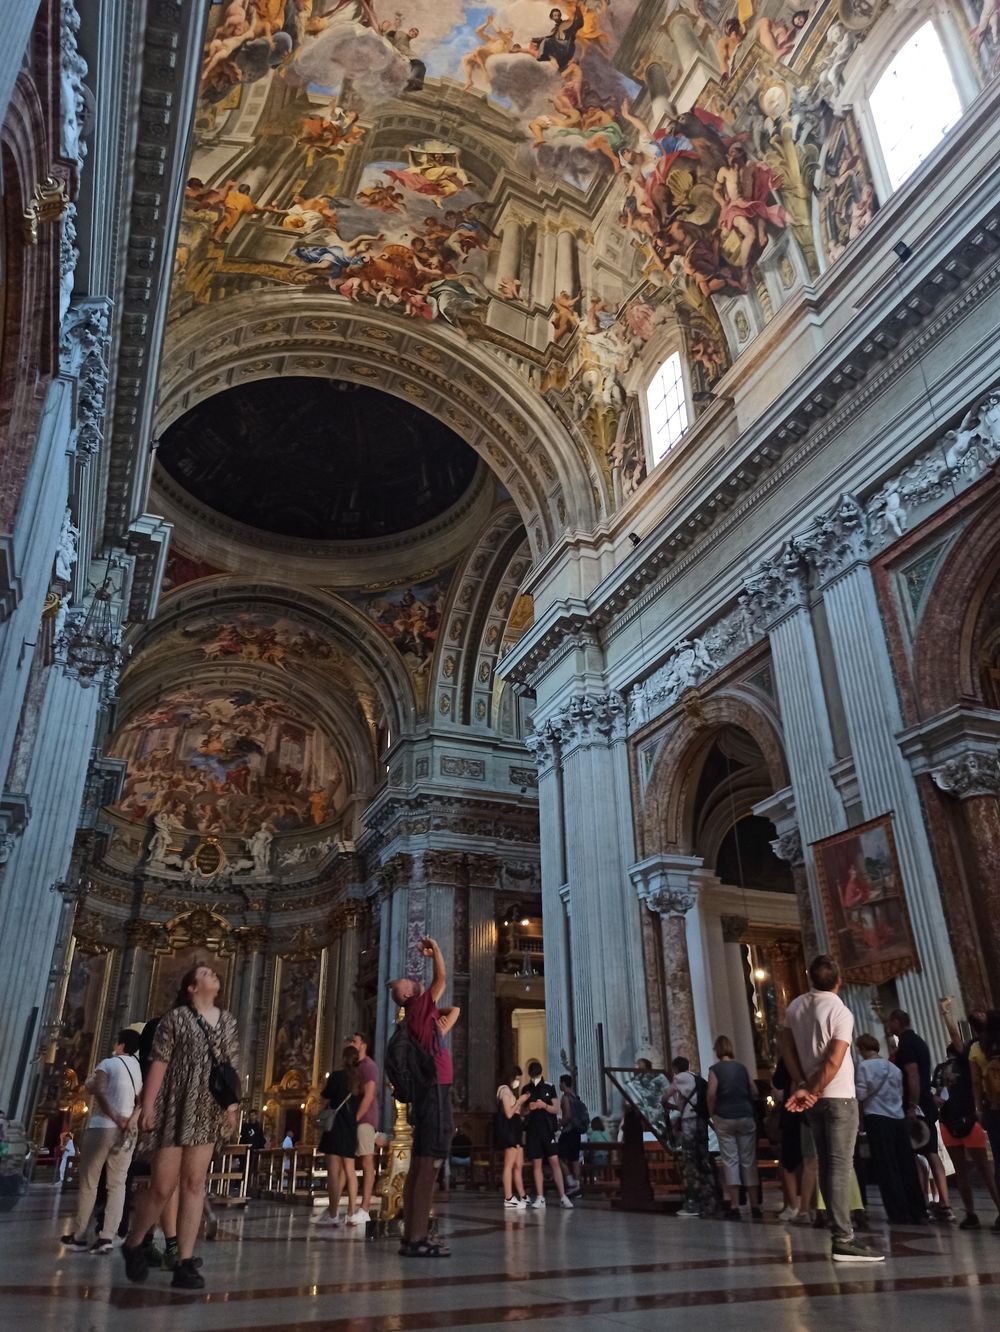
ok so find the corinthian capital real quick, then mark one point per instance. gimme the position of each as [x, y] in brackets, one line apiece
[974, 774]
[776, 586]
[836, 540]
[672, 901]
[788, 847]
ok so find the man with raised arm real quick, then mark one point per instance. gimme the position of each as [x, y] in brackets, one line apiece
[431, 1108]
[816, 1045]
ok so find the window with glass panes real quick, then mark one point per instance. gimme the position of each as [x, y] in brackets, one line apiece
[668, 417]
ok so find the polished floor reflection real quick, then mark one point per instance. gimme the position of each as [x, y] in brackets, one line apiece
[553, 1270]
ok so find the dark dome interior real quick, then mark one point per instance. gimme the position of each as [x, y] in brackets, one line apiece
[317, 458]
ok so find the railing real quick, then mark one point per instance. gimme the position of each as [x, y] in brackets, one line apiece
[228, 1179]
[292, 1174]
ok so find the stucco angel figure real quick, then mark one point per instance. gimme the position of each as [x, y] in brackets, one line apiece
[259, 847]
[163, 836]
[66, 549]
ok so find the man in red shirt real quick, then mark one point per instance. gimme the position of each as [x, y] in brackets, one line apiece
[432, 1123]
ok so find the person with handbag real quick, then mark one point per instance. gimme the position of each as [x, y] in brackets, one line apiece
[961, 1131]
[108, 1142]
[339, 1142]
[880, 1095]
[189, 1104]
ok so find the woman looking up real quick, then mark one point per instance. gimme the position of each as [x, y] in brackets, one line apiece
[183, 1117]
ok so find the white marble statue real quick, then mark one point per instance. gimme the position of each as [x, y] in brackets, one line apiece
[66, 548]
[163, 836]
[259, 847]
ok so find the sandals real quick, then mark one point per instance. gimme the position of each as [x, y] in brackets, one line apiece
[423, 1249]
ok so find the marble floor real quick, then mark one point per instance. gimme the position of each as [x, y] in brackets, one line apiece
[560, 1271]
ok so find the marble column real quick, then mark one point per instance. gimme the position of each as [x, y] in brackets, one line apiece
[836, 546]
[345, 1016]
[480, 1016]
[250, 968]
[776, 593]
[567, 272]
[543, 277]
[734, 930]
[664, 883]
[973, 779]
[787, 846]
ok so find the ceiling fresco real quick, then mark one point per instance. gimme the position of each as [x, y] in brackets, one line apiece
[228, 761]
[568, 180]
[355, 463]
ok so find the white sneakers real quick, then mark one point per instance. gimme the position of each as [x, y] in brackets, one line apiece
[325, 1219]
[359, 1218]
[788, 1214]
[515, 1204]
[565, 1202]
[537, 1202]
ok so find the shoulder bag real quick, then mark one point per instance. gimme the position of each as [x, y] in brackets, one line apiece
[223, 1081]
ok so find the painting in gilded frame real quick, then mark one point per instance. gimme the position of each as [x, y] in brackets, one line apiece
[864, 903]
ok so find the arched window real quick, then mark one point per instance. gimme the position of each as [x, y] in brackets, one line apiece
[667, 404]
[914, 104]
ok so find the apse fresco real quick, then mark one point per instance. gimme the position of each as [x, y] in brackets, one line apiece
[228, 761]
[246, 634]
[458, 162]
[409, 616]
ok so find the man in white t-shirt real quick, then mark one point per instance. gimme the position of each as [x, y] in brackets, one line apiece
[816, 1044]
[108, 1142]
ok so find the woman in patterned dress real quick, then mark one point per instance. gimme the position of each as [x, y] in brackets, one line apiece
[181, 1121]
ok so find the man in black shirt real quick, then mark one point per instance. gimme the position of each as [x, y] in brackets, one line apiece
[913, 1059]
[540, 1134]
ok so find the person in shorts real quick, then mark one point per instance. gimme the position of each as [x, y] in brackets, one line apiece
[540, 1135]
[570, 1138]
[367, 1117]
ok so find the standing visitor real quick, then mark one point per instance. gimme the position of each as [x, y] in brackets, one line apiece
[880, 1094]
[367, 1117]
[339, 1142]
[189, 1102]
[426, 1027]
[913, 1059]
[252, 1132]
[575, 1119]
[688, 1093]
[961, 1131]
[797, 1152]
[816, 1046]
[108, 1142]
[540, 1136]
[731, 1095]
[508, 1137]
[985, 1060]
[67, 1150]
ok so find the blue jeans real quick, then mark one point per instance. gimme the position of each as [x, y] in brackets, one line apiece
[834, 1123]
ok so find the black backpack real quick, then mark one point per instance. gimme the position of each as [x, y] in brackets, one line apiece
[409, 1069]
[579, 1115]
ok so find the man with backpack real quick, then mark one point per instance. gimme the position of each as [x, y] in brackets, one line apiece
[688, 1093]
[419, 1068]
[961, 1131]
[575, 1119]
[540, 1135]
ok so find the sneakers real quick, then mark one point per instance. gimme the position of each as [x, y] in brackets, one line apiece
[186, 1275]
[101, 1246]
[573, 1186]
[971, 1222]
[513, 1205]
[136, 1264]
[940, 1213]
[853, 1251]
[805, 1218]
[326, 1218]
[687, 1214]
[154, 1256]
[565, 1202]
[359, 1218]
[537, 1202]
[788, 1214]
[70, 1241]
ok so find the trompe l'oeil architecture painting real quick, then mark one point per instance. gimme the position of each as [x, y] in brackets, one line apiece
[524, 474]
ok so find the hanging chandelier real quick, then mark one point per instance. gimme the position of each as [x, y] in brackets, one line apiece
[92, 647]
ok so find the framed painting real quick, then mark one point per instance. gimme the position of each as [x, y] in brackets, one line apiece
[864, 903]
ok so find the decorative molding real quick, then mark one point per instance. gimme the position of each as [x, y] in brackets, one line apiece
[587, 719]
[836, 541]
[454, 765]
[667, 883]
[974, 774]
[953, 463]
[788, 847]
[84, 343]
[691, 661]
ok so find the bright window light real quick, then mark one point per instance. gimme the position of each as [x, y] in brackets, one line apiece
[914, 104]
[668, 418]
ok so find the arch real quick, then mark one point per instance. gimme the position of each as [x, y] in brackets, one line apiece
[262, 334]
[944, 650]
[666, 816]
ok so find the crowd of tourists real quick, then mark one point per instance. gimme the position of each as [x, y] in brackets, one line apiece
[169, 1094]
